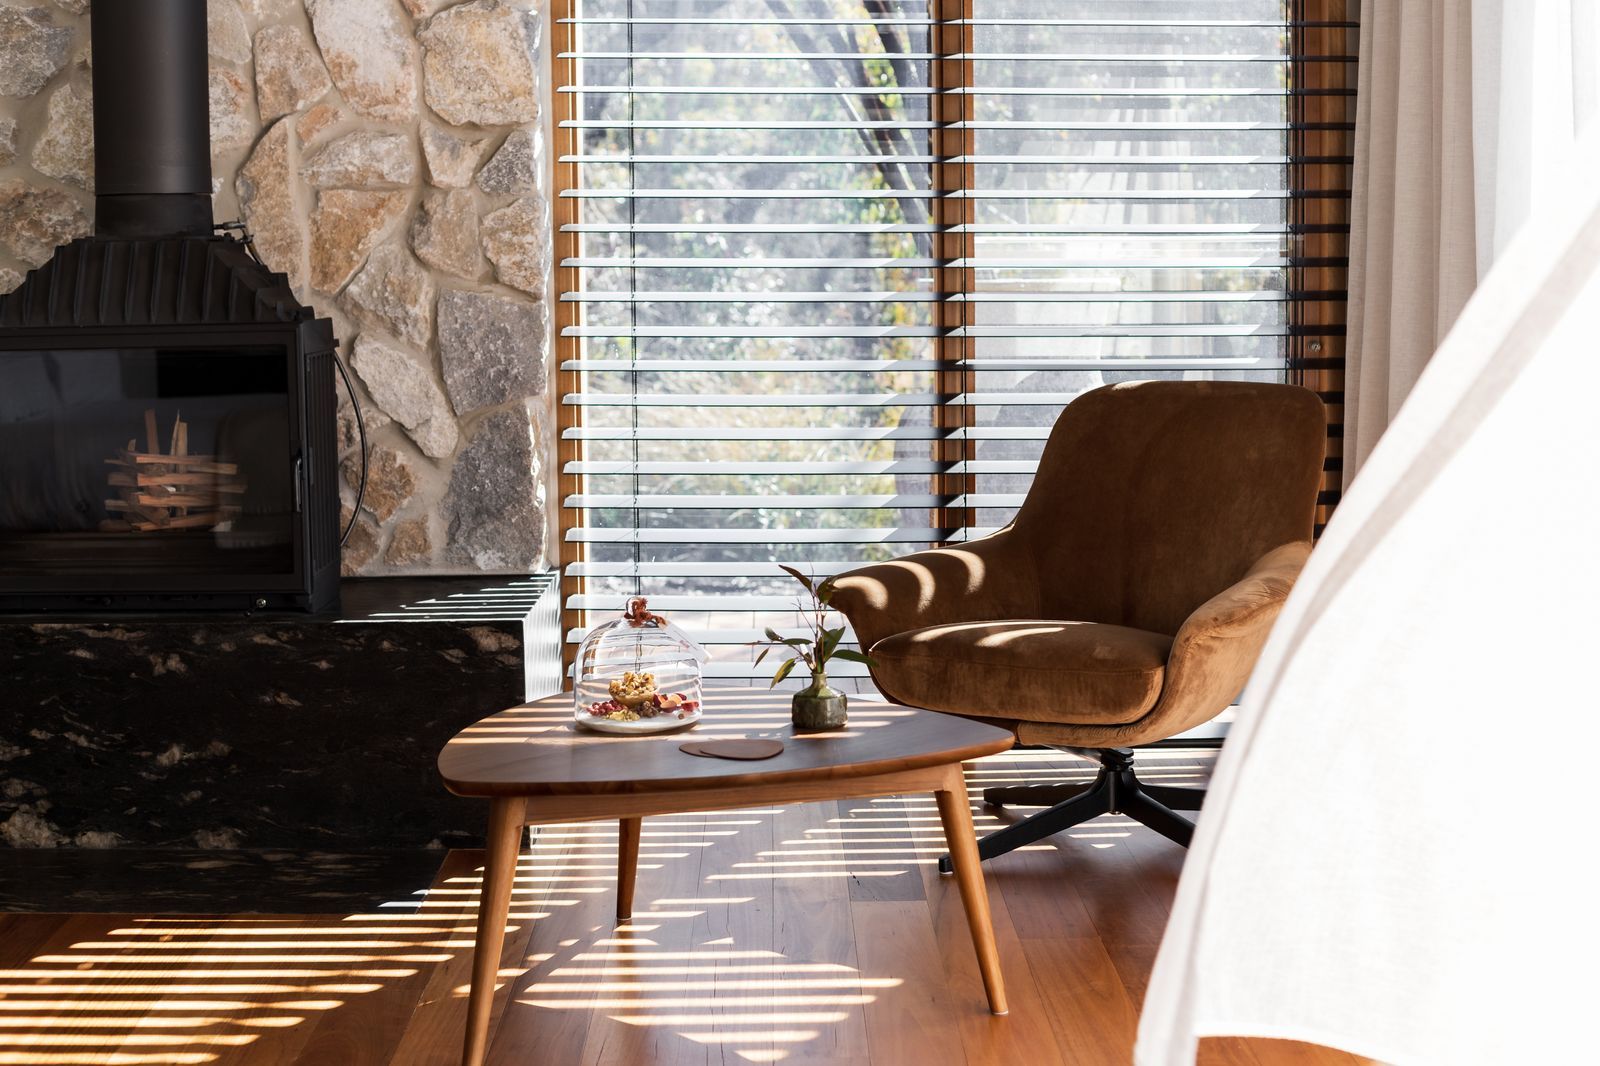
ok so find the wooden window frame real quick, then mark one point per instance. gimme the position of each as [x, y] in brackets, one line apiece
[1321, 147]
[1324, 155]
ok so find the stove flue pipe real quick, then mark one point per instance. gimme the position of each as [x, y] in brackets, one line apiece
[152, 130]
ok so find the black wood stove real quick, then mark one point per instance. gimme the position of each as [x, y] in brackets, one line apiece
[167, 406]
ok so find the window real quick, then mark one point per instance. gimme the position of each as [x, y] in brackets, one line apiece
[830, 269]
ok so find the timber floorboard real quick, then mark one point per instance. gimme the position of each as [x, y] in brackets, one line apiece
[814, 935]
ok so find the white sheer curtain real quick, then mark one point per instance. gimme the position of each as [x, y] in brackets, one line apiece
[1392, 856]
[1535, 77]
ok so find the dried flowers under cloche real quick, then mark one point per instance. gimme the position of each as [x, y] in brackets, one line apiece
[638, 673]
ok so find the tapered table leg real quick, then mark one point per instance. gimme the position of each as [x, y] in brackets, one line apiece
[962, 840]
[494, 902]
[627, 865]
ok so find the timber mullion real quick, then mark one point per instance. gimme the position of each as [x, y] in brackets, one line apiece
[1317, 351]
[952, 34]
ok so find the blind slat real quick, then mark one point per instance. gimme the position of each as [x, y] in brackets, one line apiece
[862, 366]
[1120, 296]
[713, 467]
[907, 262]
[1163, 58]
[751, 570]
[1122, 23]
[929, 194]
[900, 124]
[765, 535]
[882, 501]
[598, 501]
[813, 433]
[602, 193]
[1100, 330]
[1098, 92]
[821, 399]
[1128, 162]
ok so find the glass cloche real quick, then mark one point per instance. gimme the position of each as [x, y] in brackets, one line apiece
[638, 674]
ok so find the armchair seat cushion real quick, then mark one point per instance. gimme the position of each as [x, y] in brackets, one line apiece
[1026, 670]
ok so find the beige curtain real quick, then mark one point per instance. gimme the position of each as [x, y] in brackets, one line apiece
[1413, 259]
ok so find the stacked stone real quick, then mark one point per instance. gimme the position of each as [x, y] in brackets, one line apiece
[387, 157]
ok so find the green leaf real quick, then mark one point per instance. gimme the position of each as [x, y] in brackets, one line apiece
[783, 671]
[830, 641]
[824, 592]
[798, 576]
[763, 654]
[774, 637]
[854, 657]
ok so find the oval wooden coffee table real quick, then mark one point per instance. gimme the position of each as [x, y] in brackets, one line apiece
[536, 767]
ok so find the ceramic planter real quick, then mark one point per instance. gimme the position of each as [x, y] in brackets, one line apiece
[818, 708]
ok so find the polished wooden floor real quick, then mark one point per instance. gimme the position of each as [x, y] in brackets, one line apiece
[814, 934]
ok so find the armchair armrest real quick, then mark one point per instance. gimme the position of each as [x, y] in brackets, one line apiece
[1217, 646]
[983, 580]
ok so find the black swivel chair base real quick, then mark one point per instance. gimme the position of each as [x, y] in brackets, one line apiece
[1115, 790]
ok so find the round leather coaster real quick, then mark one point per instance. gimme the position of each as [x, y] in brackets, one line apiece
[742, 748]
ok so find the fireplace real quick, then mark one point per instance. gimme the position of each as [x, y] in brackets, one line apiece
[167, 408]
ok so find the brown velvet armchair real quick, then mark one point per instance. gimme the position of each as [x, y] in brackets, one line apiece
[1128, 600]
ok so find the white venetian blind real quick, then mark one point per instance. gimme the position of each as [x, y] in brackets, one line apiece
[833, 267]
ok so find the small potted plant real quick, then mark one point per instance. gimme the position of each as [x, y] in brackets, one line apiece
[818, 707]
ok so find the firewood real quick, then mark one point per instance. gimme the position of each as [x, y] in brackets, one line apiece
[201, 463]
[168, 479]
[176, 499]
[198, 521]
[156, 491]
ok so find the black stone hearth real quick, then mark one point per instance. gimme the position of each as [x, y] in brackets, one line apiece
[200, 881]
[256, 738]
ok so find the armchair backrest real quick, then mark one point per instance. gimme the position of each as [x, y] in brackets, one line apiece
[1152, 497]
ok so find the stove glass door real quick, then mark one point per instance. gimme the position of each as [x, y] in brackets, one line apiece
[174, 462]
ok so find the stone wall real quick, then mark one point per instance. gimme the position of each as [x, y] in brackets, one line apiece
[387, 155]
